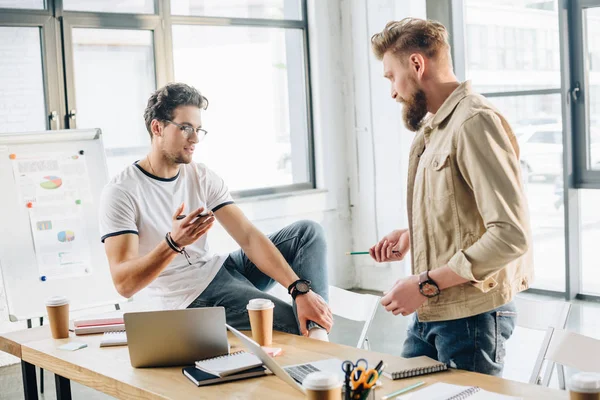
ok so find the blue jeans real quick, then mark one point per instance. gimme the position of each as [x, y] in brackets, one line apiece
[476, 343]
[302, 244]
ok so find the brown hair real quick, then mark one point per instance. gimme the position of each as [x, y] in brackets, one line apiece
[165, 100]
[411, 35]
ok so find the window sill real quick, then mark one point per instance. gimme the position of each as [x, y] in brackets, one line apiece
[295, 204]
[282, 195]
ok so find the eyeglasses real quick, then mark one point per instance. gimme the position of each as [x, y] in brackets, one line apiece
[187, 131]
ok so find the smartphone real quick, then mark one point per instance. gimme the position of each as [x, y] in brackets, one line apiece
[182, 216]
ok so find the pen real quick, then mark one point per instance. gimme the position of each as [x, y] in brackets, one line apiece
[380, 367]
[358, 253]
[406, 389]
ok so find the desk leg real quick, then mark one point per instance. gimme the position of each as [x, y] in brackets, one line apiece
[29, 381]
[63, 388]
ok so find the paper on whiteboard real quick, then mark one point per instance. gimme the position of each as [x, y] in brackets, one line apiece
[53, 178]
[55, 189]
[60, 240]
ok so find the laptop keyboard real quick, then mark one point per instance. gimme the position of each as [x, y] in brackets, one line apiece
[299, 372]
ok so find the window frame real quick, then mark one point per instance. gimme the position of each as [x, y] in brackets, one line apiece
[585, 177]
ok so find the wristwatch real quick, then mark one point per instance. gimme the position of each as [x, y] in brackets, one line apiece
[427, 286]
[301, 286]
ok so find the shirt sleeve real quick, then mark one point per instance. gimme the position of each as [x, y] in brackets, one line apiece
[117, 213]
[217, 193]
[488, 161]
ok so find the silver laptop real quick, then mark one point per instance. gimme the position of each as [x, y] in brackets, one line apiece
[293, 375]
[175, 337]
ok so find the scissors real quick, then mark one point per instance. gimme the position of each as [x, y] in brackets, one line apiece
[349, 365]
[363, 379]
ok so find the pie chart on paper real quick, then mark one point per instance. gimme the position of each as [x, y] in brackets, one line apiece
[66, 236]
[51, 182]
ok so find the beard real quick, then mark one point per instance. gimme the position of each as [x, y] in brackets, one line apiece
[177, 158]
[415, 109]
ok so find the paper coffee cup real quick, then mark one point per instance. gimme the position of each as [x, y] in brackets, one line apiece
[585, 386]
[260, 312]
[57, 308]
[322, 386]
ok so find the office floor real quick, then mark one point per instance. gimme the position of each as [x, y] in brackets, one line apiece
[386, 335]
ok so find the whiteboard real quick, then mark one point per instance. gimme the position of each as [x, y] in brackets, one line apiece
[29, 271]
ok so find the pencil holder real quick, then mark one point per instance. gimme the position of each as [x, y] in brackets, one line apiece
[370, 396]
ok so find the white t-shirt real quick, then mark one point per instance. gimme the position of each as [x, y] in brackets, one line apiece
[138, 202]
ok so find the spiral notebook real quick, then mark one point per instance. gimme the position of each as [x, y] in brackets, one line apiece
[118, 338]
[408, 367]
[229, 364]
[445, 391]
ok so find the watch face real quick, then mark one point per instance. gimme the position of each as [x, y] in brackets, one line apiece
[302, 287]
[429, 290]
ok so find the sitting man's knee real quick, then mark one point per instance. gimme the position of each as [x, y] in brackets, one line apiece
[311, 229]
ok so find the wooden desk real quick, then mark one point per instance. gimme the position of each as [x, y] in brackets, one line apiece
[109, 370]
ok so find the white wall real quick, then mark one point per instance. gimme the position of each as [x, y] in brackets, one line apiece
[378, 143]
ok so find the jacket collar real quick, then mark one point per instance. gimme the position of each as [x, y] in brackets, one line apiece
[462, 91]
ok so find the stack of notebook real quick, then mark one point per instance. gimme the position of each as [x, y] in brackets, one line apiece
[234, 366]
[109, 322]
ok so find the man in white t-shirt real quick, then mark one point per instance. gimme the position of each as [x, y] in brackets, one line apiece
[156, 242]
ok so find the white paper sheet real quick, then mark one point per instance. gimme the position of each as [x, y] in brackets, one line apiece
[55, 189]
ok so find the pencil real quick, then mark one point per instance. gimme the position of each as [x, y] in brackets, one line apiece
[398, 392]
[358, 253]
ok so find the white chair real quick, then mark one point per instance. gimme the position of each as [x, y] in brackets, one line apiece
[568, 349]
[540, 315]
[349, 305]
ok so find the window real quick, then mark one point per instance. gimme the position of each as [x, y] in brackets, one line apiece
[272, 9]
[114, 75]
[260, 108]
[522, 52]
[540, 139]
[22, 103]
[249, 57]
[110, 6]
[586, 68]
[519, 50]
[23, 4]
[529, 94]
[547, 138]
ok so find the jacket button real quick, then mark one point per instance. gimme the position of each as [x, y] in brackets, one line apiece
[491, 284]
[435, 164]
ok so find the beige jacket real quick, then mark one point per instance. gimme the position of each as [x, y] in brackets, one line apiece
[467, 208]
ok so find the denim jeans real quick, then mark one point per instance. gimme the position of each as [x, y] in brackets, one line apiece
[302, 244]
[476, 343]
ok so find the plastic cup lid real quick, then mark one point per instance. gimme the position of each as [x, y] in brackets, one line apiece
[321, 381]
[260, 304]
[585, 382]
[56, 301]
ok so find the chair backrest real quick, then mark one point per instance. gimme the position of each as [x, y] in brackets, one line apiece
[539, 315]
[355, 307]
[343, 303]
[569, 349]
